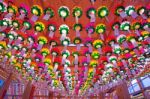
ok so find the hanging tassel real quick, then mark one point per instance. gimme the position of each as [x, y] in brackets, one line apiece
[101, 36]
[134, 15]
[92, 19]
[144, 16]
[125, 45]
[107, 18]
[46, 17]
[51, 34]
[78, 47]
[30, 45]
[9, 15]
[116, 32]
[55, 68]
[134, 43]
[76, 60]
[77, 33]
[34, 18]
[22, 16]
[137, 32]
[77, 19]
[88, 58]
[63, 59]
[63, 36]
[123, 14]
[100, 50]
[17, 42]
[90, 48]
[22, 52]
[39, 46]
[53, 58]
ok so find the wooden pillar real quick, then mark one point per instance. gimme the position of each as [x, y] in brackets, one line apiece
[122, 91]
[29, 91]
[5, 86]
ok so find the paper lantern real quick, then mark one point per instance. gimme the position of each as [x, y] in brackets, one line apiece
[109, 66]
[65, 54]
[26, 26]
[56, 63]
[131, 38]
[53, 42]
[55, 52]
[77, 13]
[76, 55]
[90, 29]
[146, 35]
[85, 62]
[64, 30]
[37, 11]
[12, 10]
[141, 11]
[3, 24]
[116, 27]
[2, 45]
[30, 40]
[66, 41]
[39, 27]
[100, 29]
[45, 52]
[113, 59]
[63, 12]
[98, 45]
[91, 14]
[48, 13]
[23, 51]
[125, 26]
[20, 38]
[107, 50]
[47, 61]
[121, 39]
[23, 11]
[11, 36]
[146, 26]
[95, 55]
[77, 28]
[130, 10]
[2, 36]
[111, 40]
[137, 26]
[15, 24]
[77, 41]
[120, 11]
[41, 41]
[51, 29]
[117, 49]
[3, 7]
[103, 12]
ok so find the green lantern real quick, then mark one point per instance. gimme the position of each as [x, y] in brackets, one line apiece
[102, 12]
[63, 12]
[49, 13]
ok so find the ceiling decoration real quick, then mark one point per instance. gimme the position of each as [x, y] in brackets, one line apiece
[75, 46]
